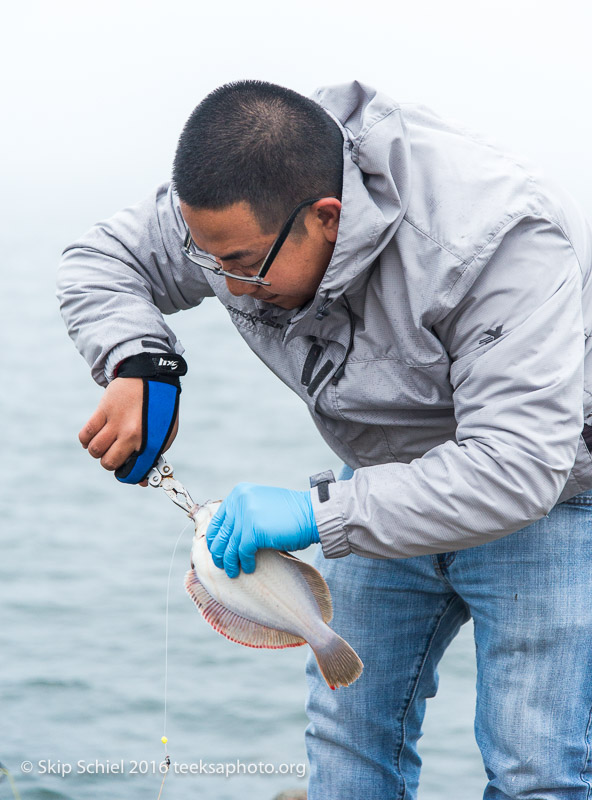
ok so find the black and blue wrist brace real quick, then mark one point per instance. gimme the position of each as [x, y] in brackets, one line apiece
[160, 373]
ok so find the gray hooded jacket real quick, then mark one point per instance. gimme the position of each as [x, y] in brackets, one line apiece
[446, 355]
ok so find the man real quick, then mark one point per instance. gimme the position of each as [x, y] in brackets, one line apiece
[422, 292]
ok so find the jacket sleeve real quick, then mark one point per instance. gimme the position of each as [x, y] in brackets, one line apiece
[116, 282]
[516, 347]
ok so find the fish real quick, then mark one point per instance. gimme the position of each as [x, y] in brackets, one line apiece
[285, 602]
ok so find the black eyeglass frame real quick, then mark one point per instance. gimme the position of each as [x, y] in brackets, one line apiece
[267, 261]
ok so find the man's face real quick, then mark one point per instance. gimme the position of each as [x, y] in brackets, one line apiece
[234, 237]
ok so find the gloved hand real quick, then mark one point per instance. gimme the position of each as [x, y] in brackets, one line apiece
[253, 517]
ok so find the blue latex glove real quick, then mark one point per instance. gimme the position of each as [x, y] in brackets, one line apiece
[253, 517]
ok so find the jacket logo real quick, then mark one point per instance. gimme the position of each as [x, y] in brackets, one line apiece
[492, 335]
[171, 364]
[237, 312]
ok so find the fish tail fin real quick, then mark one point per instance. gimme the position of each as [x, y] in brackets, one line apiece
[339, 663]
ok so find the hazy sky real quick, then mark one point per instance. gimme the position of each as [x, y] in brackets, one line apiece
[94, 95]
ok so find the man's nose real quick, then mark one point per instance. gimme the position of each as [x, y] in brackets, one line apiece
[239, 288]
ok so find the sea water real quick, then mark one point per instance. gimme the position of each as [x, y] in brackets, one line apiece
[83, 576]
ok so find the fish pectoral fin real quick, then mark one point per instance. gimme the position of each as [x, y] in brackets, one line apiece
[234, 626]
[316, 583]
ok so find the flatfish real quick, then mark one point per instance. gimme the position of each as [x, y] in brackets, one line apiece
[285, 602]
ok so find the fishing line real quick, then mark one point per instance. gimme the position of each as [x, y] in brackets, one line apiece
[164, 739]
[5, 771]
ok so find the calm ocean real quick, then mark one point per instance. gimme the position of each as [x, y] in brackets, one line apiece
[83, 575]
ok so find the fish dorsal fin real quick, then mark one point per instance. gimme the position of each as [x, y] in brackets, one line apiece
[233, 626]
[317, 585]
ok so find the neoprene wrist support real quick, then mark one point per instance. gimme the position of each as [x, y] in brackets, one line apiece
[152, 365]
[160, 373]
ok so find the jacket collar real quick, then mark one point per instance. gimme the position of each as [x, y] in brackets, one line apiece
[376, 189]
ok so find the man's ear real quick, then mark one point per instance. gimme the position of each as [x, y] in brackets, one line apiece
[327, 211]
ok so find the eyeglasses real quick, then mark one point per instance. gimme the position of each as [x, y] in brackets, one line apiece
[207, 261]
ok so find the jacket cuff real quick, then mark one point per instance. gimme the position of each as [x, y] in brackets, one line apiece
[329, 519]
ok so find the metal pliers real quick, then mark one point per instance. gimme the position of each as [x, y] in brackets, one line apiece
[162, 475]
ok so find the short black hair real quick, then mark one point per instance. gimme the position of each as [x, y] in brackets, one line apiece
[259, 143]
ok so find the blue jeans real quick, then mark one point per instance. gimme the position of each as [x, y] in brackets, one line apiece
[530, 596]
